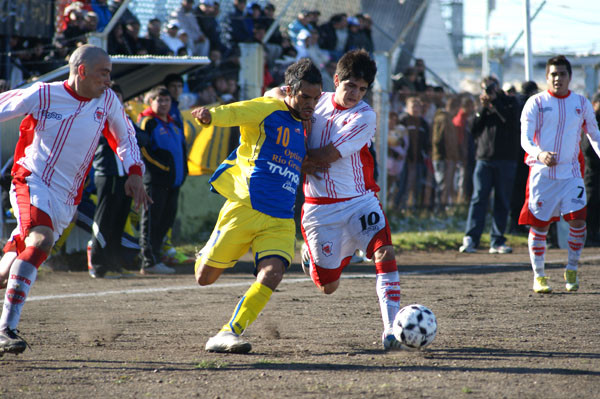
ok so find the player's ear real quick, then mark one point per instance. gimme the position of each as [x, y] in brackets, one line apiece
[336, 80]
[81, 71]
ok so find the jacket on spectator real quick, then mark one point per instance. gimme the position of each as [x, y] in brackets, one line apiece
[444, 138]
[496, 132]
[165, 154]
[106, 162]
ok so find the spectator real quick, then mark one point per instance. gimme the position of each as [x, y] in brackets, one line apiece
[206, 94]
[462, 121]
[445, 153]
[127, 14]
[206, 14]
[592, 183]
[112, 208]
[238, 29]
[307, 46]
[100, 7]
[75, 31]
[166, 168]
[397, 149]
[117, 44]
[137, 45]
[90, 22]
[268, 18]
[205, 74]
[496, 134]
[171, 36]
[333, 35]
[420, 81]
[197, 41]
[419, 145]
[187, 49]
[358, 36]
[302, 22]
[253, 14]
[174, 84]
[154, 44]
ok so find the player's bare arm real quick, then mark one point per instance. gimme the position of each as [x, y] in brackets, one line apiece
[203, 115]
[134, 187]
[327, 154]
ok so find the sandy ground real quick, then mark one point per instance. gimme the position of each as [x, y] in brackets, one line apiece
[143, 337]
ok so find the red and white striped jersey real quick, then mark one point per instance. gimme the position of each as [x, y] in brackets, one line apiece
[551, 123]
[60, 133]
[351, 130]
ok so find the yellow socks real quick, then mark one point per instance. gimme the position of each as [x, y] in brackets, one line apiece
[248, 308]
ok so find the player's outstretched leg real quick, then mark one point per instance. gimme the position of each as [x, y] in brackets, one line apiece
[575, 241]
[229, 340]
[536, 243]
[387, 284]
[23, 273]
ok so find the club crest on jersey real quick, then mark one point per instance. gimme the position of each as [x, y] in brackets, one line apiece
[539, 204]
[99, 114]
[327, 248]
[578, 111]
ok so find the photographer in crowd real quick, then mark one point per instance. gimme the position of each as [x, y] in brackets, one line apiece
[496, 134]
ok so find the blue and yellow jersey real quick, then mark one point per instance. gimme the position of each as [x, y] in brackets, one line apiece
[264, 171]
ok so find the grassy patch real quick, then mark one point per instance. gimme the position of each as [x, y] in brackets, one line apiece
[211, 364]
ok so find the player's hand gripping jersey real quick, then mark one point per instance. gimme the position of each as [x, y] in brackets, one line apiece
[60, 133]
[541, 116]
[264, 171]
[351, 131]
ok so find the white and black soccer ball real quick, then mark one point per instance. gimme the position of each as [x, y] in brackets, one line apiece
[415, 326]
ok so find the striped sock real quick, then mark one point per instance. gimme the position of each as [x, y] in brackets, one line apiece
[537, 251]
[576, 241]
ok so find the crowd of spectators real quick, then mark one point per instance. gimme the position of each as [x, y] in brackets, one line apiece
[431, 146]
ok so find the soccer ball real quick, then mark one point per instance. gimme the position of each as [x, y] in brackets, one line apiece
[415, 326]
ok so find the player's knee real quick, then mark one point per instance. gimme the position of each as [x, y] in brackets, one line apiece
[330, 288]
[384, 254]
[206, 275]
[40, 237]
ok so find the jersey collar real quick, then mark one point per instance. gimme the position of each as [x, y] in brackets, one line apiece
[336, 105]
[554, 95]
[73, 93]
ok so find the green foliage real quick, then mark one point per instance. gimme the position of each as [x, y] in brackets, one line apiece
[426, 231]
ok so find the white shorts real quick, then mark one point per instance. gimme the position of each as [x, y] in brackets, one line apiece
[549, 198]
[36, 194]
[335, 231]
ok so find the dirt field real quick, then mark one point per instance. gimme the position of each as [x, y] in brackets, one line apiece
[144, 337]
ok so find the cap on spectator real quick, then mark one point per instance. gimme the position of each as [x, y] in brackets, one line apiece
[353, 21]
[181, 32]
[269, 6]
[173, 24]
[305, 12]
[210, 3]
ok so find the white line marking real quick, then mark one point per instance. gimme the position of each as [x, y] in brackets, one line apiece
[135, 291]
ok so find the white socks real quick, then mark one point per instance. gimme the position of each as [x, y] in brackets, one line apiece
[21, 277]
[537, 251]
[388, 291]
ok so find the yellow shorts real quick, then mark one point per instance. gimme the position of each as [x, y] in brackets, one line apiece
[239, 228]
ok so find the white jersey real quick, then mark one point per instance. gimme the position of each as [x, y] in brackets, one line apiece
[551, 123]
[60, 133]
[351, 131]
